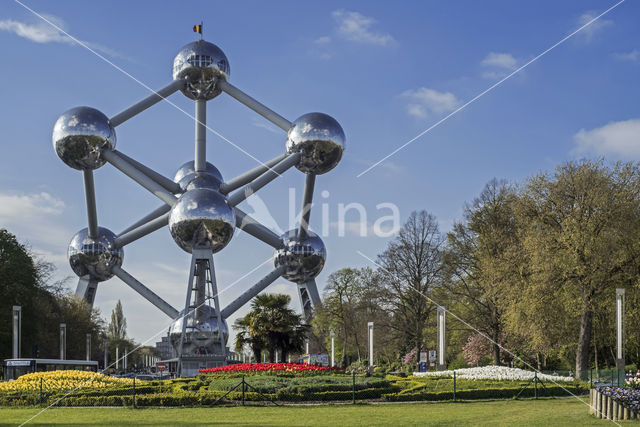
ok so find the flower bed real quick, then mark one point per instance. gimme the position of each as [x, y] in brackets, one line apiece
[266, 368]
[62, 380]
[629, 397]
[500, 373]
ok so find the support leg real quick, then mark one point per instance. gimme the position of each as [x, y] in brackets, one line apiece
[86, 289]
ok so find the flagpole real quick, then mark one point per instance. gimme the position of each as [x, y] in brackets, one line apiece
[201, 29]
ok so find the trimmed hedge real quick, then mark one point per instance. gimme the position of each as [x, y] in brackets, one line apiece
[487, 393]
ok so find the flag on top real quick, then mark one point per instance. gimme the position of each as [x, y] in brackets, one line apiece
[197, 29]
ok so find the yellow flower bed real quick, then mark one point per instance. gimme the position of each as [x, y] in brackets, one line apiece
[63, 380]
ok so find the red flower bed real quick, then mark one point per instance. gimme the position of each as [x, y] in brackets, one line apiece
[270, 367]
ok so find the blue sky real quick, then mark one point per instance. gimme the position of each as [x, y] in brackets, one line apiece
[385, 71]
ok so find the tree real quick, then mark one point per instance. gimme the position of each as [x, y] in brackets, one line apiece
[580, 235]
[411, 268]
[118, 326]
[271, 325]
[478, 259]
[352, 298]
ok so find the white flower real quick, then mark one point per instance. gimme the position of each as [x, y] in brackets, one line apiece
[493, 372]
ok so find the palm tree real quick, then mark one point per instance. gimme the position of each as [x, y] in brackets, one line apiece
[271, 325]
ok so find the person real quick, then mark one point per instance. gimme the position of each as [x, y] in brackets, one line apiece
[571, 372]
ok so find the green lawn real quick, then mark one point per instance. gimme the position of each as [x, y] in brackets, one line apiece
[544, 412]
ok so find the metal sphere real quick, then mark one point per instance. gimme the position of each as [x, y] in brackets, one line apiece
[321, 141]
[188, 178]
[201, 332]
[94, 257]
[201, 63]
[304, 258]
[80, 134]
[202, 219]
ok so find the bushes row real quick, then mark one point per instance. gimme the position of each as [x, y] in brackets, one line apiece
[487, 393]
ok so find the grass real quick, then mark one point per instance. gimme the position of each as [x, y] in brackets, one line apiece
[544, 412]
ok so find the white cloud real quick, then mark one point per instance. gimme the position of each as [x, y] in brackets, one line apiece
[322, 40]
[618, 139]
[261, 124]
[500, 60]
[589, 32]
[498, 65]
[43, 32]
[356, 27]
[632, 56]
[425, 101]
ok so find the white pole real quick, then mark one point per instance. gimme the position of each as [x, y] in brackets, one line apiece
[88, 344]
[620, 294]
[333, 361]
[63, 341]
[124, 363]
[370, 326]
[117, 358]
[17, 331]
[441, 312]
[306, 343]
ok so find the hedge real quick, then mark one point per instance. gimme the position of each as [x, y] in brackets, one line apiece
[488, 393]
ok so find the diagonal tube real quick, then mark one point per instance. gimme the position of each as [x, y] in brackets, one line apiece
[247, 177]
[146, 293]
[149, 217]
[147, 102]
[256, 106]
[134, 173]
[264, 179]
[165, 182]
[141, 231]
[90, 198]
[313, 292]
[252, 292]
[250, 226]
[307, 199]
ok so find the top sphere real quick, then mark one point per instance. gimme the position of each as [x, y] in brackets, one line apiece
[320, 139]
[201, 63]
[80, 134]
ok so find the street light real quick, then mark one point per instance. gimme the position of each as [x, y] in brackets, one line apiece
[442, 365]
[63, 341]
[620, 328]
[332, 335]
[370, 326]
[17, 331]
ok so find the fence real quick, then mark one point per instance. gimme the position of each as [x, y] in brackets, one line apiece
[270, 389]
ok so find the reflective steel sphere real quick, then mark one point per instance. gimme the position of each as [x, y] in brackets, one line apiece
[202, 219]
[201, 63]
[186, 175]
[202, 332]
[304, 259]
[321, 141]
[79, 135]
[94, 257]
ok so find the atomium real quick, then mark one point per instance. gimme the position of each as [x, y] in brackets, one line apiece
[302, 257]
[80, 134]
[200, 207]
[94, 256]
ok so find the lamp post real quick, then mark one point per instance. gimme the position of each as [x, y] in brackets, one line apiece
[88, 346]
[620, 293]
[333, 335]
[63, 341]
[442, 364]
[370, 326]
[117, 358]
[17, 331]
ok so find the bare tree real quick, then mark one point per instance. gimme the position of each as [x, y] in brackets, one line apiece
[411, 267]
